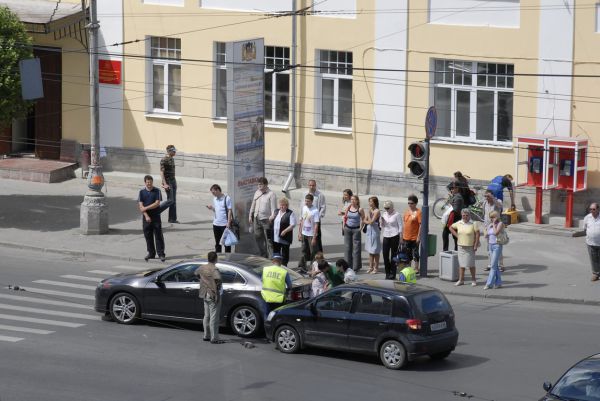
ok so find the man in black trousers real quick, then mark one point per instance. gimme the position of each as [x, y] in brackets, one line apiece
[149, 203]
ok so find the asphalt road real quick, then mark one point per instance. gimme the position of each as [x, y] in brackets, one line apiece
[506, 350]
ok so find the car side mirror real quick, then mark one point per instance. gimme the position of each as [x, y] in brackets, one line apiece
[313, 309]
[547, 386]
[157, 280]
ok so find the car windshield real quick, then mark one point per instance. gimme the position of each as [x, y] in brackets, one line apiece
[431, 302]
[581, 383]
[257, 264]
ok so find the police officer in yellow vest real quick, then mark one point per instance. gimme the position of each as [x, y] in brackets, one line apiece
[408, 275]
[275, 281]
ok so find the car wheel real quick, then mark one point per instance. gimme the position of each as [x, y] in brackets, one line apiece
[440, 355]
[245, 321]
[392, 354]
[124, 308]
[287, 340]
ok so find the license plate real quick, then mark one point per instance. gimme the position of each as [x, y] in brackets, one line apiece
[438, 326]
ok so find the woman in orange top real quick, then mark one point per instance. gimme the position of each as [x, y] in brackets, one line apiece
[412, 229]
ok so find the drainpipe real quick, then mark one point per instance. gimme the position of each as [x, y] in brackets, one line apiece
[290, 178]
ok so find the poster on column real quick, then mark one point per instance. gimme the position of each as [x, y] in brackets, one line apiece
[245, 130]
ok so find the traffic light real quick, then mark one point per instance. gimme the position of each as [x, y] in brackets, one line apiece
[418, 156]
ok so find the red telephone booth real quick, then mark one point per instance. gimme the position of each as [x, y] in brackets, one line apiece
[552, 163]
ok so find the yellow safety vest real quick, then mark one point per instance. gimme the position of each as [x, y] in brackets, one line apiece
[273, 284]
[409, 275]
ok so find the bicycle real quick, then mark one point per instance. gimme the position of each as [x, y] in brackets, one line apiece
[476, 209]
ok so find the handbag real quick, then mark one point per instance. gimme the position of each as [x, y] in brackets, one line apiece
[235, 224]
[502, 237]
[446, 215]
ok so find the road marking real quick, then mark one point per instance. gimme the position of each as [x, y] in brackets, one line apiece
[46, 301]
[25, 329]
[58, 293]
[49, 312]
[40, 321]
[132, 268]
[63, 284]
[82, 278]
[10, 339]
[103, 272]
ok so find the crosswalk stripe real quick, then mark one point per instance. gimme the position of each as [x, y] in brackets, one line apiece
[58, 293]
[25, 329]
[125, 267]
[49, 312]
[103, 272]
[45, 301]
[40, 321]
[10, 339]
[63, 284]
[82, 278]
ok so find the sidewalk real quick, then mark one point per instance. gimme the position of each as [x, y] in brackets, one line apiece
[46, 217]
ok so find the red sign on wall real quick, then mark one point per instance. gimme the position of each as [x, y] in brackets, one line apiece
[109, 72]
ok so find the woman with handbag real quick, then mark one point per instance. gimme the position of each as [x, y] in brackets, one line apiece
[283, 230]
[496, 235]
[353, 219]
[373, 231]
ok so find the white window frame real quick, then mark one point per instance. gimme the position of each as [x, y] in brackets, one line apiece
[336, 78]
[269, 74]
[165, 63]
[473, 88]
[219, 66]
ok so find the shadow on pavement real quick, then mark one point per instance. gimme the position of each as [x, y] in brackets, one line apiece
[57, 213]
[509, 284]
[524, 268]
[455, 361]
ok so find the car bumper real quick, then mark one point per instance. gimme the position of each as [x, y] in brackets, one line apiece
[101, 301]
[442, 342]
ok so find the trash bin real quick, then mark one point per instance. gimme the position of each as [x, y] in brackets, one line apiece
[85, 159]
[431, 244]
[449, 265]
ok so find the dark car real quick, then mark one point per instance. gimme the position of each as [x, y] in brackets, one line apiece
[397, 321]
[580, 383]
[171, 293]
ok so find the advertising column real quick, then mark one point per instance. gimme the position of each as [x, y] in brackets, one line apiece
[245, 130]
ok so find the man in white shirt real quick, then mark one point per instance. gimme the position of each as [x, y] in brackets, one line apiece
[262, 213]
[307, 229]
[223, 215]
[591, 225]
[318, 202]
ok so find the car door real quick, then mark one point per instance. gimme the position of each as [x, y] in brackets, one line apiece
[328, 326]
[174, 293]
[233, 285]
[372, 315]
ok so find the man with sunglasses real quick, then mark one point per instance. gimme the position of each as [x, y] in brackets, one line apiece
[591, 225]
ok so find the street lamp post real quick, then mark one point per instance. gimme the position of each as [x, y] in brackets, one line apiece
[93, 218]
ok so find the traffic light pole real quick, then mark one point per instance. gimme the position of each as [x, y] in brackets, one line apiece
[423, 244]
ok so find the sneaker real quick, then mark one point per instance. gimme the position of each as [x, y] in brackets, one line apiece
[487, 269]
[458, 283]
[595, 277]
[487, 287]
[174, 221]
[217, 341]
[163, 258]
[501, 268]
[473, 284]
[148, 257]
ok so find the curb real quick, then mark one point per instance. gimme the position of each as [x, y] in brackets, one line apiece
[530, 298]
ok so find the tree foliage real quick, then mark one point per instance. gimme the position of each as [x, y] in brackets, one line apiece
[15, 45]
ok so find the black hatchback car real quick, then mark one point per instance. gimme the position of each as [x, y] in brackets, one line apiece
[580, 383]
[395, 320]
[171, 293]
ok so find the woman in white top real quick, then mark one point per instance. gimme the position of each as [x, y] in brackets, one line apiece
[283, 230]
[391, 226]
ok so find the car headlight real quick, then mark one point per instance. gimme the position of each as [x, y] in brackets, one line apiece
[270, 316]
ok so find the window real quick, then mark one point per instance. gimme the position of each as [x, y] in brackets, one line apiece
[181, 274]
[230, 275]
[165, 56]
[220, 109]
[339, 301]
[374, 305]
[334, 89]
[277, 84]
[474, 100]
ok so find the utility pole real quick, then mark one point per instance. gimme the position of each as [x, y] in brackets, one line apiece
[93, 218]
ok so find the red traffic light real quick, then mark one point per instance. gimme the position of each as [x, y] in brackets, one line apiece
[417, 150]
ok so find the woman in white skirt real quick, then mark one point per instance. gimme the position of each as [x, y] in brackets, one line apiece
[467, 233]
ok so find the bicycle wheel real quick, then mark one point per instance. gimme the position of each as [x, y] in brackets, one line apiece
[476, 212]
[439, 206]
